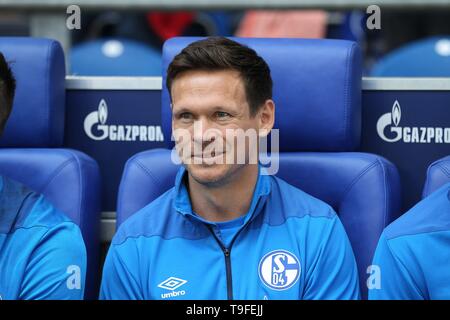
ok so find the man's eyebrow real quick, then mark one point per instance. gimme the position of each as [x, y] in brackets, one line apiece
[180, 110]
[213, 108]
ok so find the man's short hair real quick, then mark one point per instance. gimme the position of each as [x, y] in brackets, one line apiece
[7, 90]
[219, 53]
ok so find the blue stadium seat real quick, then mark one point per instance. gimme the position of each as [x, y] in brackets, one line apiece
[317, 92]
[31, 152]
[438, 174]
[115, 57]
[424, 58]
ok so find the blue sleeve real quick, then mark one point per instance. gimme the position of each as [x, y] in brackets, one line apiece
[120, 279]
[57, 268]
[396, 281]
[333, 275]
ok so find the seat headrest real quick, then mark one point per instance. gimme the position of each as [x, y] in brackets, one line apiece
[317, 90]
[37, 118]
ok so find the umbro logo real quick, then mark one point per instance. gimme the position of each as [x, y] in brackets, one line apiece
[172, 284]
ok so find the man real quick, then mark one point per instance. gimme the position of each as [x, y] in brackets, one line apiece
[227, 230]
[413, 253]
[42, 253]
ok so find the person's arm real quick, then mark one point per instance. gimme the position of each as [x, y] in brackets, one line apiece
[396, 281]
[333, 275]
[57, 268]
[119, 282]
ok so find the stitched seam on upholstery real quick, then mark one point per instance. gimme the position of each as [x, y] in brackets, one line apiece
[346, 86]
[57, 171]
[386, 193]
[80, 178]
[363, 172]
[47, 90]
[147, 172]
[145, 169]
[439, 166]
[444, 170]
[427, 181]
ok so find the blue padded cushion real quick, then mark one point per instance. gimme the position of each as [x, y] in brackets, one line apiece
[317, 90]
[152, 169]
[37, 118]
[70, 180]
[438, 174]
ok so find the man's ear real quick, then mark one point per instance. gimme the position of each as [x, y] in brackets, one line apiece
[266, 115]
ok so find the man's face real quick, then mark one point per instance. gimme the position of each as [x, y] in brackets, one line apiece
[206, 107]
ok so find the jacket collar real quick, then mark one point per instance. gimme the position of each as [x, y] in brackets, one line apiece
[183, 205]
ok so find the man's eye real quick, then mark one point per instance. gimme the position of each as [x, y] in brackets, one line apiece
[185, 116]
[222, 114]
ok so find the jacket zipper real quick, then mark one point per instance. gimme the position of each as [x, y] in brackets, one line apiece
[227, 253]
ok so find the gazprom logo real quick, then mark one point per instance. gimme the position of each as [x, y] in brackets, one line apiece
[389, 130]
[96, 128]
[390, 120]
[279, 269]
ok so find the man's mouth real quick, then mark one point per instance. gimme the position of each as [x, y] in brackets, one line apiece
[207, 155]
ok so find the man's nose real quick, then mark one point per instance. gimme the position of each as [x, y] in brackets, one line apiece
[201, 129]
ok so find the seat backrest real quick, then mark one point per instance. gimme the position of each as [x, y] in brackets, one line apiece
[69, 179]
[37, 118]
[438, 174]
[316, 83]
[317, 93]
